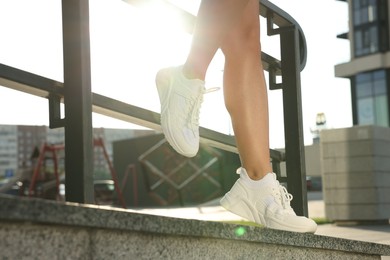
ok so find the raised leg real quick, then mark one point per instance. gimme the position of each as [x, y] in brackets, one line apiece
[215, 20]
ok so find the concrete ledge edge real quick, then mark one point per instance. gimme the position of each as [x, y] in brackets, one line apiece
[92, 216]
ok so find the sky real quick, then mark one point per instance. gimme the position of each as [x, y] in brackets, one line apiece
[129, 45]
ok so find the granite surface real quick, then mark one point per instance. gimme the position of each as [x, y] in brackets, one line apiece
[38, 241]
[79, 220]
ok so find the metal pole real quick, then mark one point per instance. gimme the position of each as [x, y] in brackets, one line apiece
[78, 102]
[292, 103]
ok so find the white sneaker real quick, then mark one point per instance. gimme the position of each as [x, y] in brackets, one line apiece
[180, 100]
[268, 205]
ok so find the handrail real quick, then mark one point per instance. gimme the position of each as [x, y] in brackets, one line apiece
[46, 88]
[282, 19]
[79, 99]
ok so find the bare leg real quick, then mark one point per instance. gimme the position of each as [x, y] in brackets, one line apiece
[214, 21]
[183, 86]
[233, 26]
[246, 93]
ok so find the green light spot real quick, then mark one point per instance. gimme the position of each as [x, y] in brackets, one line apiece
[240, 231]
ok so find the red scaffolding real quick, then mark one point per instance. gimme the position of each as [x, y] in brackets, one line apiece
[53, 155]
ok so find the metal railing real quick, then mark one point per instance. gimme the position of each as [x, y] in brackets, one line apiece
[79, 101]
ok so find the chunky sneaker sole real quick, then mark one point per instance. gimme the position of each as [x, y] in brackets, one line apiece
[268, 207]
[180, 100]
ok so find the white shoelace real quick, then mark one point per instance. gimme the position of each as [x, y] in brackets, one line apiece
[193, 119]
[285, 197]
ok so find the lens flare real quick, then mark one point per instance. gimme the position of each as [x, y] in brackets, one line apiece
[240, 231]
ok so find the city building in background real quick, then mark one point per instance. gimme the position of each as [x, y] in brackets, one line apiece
[355, 161]
[20, 145]
[368, 69]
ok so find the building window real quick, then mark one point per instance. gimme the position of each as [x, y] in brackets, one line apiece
[370, 26]
[371, 98]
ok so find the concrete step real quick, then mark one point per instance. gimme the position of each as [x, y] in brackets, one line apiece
[33, 228]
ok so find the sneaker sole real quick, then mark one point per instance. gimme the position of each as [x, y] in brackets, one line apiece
[243, 208]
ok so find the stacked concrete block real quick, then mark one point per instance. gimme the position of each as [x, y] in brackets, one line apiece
[356, 173]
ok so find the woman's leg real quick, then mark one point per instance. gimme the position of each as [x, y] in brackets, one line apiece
[256, 195]
[215, 20]
[245, 92]
[232, 25]
[181, 88]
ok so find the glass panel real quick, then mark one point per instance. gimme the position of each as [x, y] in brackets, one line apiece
[364, 85]
[372, 11]
[381, 111]
[365, 41]
[364, 14]
[366, 111]
[380, 87]
[373, 39]
[356, 4]
[379, 83]
[358, 43]
[364, 90]
[366, 38]
[356, 17]
[363, 77]
[379, 74]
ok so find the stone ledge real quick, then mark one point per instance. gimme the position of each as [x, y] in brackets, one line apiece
[38, 241]
[91, 217]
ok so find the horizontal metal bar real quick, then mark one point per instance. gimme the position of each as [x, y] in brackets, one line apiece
[28, 82]
[43, 87]
[271, 64]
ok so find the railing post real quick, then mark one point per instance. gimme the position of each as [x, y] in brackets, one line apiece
[78, 102]
[292, 103]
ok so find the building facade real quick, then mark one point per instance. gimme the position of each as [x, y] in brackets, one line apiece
[20, 144]
[8, 149]
[369, 66]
